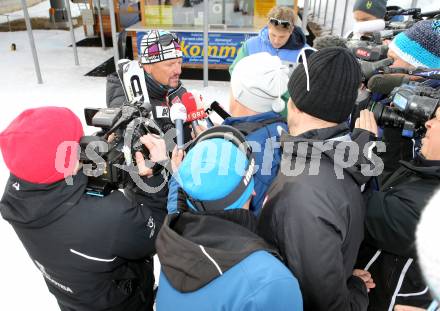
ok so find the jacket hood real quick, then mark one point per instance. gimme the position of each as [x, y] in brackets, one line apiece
[37, 205]
[336, 143]
[194, 249]
[296, 41]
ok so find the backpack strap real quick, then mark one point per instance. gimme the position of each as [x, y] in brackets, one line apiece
[249, 127]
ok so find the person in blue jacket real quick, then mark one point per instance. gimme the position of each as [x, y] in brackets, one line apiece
[211, 258]
[280, 37]
[257, 84]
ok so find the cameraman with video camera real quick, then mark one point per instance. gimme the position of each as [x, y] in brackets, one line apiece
[161, 60]
[93, 251]
[418, 47]
[393, 212]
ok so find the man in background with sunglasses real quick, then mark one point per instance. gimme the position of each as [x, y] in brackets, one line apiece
[279, 38]
[161, 59]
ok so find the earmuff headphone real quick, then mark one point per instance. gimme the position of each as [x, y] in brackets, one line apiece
[233, 135]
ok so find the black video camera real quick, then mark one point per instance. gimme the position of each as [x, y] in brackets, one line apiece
[415, 13]
[413, 105]
[108, 156]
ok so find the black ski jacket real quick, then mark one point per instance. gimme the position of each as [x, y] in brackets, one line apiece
[94, 253]
[160, 97]
[314, 214]
[389, 249]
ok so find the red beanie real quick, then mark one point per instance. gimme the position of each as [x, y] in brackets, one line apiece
[30, 143]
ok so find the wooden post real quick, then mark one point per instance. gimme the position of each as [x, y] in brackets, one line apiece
[295, 6]
[143, 20]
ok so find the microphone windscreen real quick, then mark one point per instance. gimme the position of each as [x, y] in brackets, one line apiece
[385, 83]
[199, 99]
[193, 111]
[189, 102]
[178, 112]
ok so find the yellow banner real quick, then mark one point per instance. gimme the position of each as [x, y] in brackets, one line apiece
[261, 9]
[159, 15]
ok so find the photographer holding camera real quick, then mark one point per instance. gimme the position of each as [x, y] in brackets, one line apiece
[393, 212]
[93, 252]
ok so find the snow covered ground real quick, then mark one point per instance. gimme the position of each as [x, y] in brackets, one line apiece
[22, 286]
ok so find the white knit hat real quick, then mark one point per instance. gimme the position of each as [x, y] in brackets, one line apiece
[258, 81]
[428, 247]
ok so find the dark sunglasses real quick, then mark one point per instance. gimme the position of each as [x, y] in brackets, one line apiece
[279, 22]
[166, 39]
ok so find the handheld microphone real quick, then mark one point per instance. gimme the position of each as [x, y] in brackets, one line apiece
[191, 108]
[215, 106]
[374, 53]
[401, 25]
[385, 83]
[178, 117]
[385, 34]
[194, 113]
[201, 107]
[369, 68]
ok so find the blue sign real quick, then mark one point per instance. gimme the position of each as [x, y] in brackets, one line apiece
[223, 47]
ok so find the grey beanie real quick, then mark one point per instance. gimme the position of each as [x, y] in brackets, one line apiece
[329, 41]
[377, 8]
[258, 81]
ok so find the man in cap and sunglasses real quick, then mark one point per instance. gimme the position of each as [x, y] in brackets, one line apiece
[161, 58]
[280, 37]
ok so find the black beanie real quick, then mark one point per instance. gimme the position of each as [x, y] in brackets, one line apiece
[335, 76]
[377, 8]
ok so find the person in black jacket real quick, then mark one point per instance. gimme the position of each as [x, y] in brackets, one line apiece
[416, 47]
[393, 212]
[161, 59]
[314, 211]
[93, 252]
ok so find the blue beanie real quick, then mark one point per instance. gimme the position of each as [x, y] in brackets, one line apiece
[419, 45]
[212, 170]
